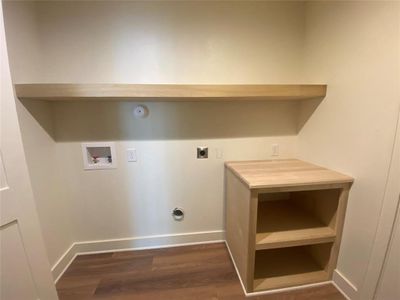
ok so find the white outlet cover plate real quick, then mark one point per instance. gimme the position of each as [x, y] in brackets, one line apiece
[131, 155]
[275, 149]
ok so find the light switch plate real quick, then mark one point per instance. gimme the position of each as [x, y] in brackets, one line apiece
[275, 149]
[131, 155]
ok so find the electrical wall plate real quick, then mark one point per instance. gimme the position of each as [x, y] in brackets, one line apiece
[275, 150]
[202, 152]
[99, 155]
[131, 155]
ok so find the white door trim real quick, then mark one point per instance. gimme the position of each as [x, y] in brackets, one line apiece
[23, 249]
[386, 222]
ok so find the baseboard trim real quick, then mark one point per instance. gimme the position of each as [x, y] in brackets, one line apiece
[63, 262]
[135, 243]
[344, 285]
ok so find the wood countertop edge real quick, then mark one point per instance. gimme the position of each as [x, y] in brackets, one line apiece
[302, 184]
[346, 179]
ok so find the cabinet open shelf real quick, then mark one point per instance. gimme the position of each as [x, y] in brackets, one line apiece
[291, 266]
[169, 92]
[282, 224]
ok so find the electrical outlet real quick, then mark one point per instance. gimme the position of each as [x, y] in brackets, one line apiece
[202, 152]
[131, 155]
[275, 149]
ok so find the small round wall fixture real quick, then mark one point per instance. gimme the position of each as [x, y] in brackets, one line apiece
[178, 214]
[140, 112]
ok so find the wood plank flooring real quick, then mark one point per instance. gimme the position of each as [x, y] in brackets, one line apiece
[189, 273]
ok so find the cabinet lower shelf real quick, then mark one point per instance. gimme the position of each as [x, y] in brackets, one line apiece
[292, 266]
[289, 280]
[281, 224]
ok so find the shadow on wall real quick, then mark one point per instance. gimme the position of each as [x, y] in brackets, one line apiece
[114, 120]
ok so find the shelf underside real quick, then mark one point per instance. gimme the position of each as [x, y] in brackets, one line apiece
[168, 92]
[282, 224]
[286, 267]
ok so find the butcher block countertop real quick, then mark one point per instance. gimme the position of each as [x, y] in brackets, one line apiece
[283, 173]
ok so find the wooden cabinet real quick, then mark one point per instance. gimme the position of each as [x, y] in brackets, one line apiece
[284, 220]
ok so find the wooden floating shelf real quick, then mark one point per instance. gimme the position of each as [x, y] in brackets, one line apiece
[283, 225]
[169, 92]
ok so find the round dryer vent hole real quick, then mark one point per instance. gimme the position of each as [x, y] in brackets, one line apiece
[140, 111]
[178, 214]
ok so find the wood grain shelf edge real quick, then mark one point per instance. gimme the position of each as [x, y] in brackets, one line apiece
[309, 236]
[169, 92]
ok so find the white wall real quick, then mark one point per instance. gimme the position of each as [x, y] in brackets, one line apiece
[137, 198]
[149, 42]
[22, 37]
[46, 177]
[168, 42]
[354, 48]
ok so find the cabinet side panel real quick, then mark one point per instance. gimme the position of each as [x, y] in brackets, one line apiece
[237, 223]
[322, 204]
[341, 213]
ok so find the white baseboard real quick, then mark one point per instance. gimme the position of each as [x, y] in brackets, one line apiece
[344, 285]
[135, 243]
[63, 262]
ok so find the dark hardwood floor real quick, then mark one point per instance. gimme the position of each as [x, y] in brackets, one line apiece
[190, 272]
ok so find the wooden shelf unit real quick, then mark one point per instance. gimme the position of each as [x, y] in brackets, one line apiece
[169, 92]
[284, 221]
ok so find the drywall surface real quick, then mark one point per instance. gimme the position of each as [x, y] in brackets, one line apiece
[173, 121]
[150, 42]
[137, 198]
[354, 48]
[164, 42]
[49, 190]
[23, 41]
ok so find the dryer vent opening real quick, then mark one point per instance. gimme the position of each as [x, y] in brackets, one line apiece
[178, 214]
